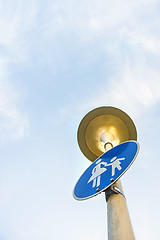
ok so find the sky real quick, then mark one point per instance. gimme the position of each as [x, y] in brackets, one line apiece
[58, 61]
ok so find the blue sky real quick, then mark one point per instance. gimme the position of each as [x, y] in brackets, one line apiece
[58, 61]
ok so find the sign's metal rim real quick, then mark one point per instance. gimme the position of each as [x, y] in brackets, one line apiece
[138, 147]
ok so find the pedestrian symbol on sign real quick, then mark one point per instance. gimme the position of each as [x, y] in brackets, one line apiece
[98, 170]
[115, 163]
[96, 173]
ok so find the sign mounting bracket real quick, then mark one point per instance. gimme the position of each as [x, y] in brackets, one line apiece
[113, 190]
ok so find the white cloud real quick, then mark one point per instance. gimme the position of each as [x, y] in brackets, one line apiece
[136, 86]
[89, 19]
[135, 89]
[15, 20]
[13, 123]
[114, 26]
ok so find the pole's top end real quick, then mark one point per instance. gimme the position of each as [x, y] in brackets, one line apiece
[101, 126]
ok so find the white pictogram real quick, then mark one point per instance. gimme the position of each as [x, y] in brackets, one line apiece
[98, 170]
[115, 163]
[96, 173]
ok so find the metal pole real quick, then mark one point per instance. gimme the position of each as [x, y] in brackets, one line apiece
[119, 224]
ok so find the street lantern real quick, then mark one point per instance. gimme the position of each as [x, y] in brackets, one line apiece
[107, 137]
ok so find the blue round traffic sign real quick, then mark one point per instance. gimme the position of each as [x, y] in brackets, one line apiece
[106, 170]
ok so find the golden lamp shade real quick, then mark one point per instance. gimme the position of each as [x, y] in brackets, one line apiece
[101, 126]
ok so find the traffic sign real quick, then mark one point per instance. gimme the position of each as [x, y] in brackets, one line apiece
[106, 170]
